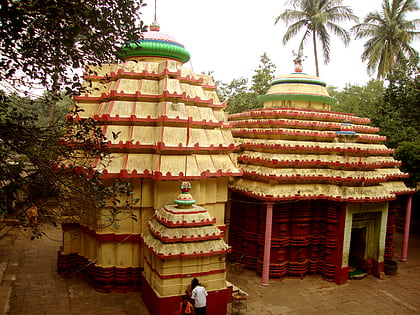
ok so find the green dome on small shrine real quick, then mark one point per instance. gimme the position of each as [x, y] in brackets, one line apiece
[298, 87]
[155, 44]
[185, 199]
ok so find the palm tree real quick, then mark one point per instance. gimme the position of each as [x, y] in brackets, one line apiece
[317, 17]
[389, 35]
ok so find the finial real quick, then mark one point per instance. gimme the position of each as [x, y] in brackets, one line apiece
[299, 58]
[184, 199]
[155, 14]
[155, 27]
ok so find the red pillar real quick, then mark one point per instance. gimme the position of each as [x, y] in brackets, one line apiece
[267, 244]
[404, 249]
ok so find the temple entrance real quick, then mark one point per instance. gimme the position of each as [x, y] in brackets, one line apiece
[358, 248]
[365, 242]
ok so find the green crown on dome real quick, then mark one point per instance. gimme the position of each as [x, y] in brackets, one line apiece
[291, 90]
[155, 44]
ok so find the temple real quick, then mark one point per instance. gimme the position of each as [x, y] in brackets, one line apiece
[171, 129]
[292, 188]
[319, 188]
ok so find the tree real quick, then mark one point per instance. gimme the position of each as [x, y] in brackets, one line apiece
[316, 18]
[239, 96]
[389, 35]
[46, 44]
[42, 41]
[393, 107]
[263, 75]
[358, 100]
[399, 117]
[30, 170]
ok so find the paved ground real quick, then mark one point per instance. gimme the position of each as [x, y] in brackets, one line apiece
[31, 285]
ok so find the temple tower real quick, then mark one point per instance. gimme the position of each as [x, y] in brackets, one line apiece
[181, 243]
[319, 187]
[171, 128]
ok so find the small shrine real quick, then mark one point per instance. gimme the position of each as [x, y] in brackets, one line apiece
[319, 189]
[171, 128]
[182, 243]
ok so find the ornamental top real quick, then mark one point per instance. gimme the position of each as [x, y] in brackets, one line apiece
[184, 199]
[155, 44]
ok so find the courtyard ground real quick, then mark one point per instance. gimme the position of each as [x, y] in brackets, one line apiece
[31, 285]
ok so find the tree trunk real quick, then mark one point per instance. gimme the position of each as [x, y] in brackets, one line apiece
[54, 99]
[315, 54]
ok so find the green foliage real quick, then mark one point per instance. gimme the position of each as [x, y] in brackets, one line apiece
[389, 35]
[394, 108]
[399, 117]
[42, 40]
[316, 18]
[263, 75]
[45, 45]
[39, 161]
[239, 96]
[359, 100]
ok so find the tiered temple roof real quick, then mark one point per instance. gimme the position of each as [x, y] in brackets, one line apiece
[162, 121]
[183, 230]
[296, 148]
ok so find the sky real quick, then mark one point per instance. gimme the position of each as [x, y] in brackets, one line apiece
[228, 38]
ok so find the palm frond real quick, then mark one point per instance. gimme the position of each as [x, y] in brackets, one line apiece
[293, 30]
[339, 32]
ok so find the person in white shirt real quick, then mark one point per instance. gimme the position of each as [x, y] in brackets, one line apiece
[199, 295]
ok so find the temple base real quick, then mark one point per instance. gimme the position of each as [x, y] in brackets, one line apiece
[110, 279]
[216, 300]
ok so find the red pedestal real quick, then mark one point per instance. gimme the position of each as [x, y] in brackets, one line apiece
[341, 275]
[216, 301]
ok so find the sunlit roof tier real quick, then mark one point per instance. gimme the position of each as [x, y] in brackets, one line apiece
[150, 69]
[320, 161]
[168, 138]
[181, 234]
[323, 175]
[302, 123]
[170, 166]
[309, 115]
[316, 147]
[177, 231]
[184, 250]
[299, 191]
[299, 134]
[150, 90]
[172, 216]
[152, 113]
[155, 44]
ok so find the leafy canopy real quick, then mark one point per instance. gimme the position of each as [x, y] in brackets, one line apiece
[389, 35]
[45, 44]
[44, 41]
[239, 96]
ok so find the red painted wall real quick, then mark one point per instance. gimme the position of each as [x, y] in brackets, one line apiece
[216, 301]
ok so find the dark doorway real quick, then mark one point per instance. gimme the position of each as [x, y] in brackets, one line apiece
[357, 248]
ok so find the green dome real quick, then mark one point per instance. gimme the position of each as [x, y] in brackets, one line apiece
[156, 44]
[298, 87]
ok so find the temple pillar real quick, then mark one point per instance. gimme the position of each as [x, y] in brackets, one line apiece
[404, 249]
[267, 244]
